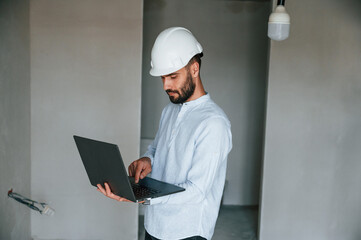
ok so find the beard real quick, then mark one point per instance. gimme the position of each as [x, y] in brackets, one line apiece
[185, 92]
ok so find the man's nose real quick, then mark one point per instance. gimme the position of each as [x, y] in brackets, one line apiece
[166, 84]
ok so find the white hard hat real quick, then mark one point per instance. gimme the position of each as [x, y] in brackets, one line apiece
[172, 50]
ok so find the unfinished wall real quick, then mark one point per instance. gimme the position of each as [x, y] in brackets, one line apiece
[311, 174]
[14, 117]
[85, 80]
[234, 68]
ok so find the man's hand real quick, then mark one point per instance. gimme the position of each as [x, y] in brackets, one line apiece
[107, 192]
[140, 168]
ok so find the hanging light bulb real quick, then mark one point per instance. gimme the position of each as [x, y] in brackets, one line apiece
[279, 23]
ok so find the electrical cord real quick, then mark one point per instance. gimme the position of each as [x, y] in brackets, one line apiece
[42, 208]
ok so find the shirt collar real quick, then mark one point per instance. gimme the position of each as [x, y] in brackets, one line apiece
[197, 101]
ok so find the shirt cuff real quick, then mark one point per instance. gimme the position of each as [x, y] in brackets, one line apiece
[158, 200]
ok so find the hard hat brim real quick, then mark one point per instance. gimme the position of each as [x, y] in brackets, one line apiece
[162, 72]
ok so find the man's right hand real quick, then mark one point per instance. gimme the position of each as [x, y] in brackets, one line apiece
[140, 168]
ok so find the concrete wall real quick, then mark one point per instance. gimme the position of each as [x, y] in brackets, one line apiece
[14, 117]
[233, 35]
[85, 80]
[311, 173]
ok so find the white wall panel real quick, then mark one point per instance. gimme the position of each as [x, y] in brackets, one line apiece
[85, 80]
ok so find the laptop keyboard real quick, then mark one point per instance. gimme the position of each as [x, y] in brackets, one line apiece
[142, 192]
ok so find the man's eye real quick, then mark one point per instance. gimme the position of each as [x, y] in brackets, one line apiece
[173, 76]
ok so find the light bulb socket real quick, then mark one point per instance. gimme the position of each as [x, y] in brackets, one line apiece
[279, 15]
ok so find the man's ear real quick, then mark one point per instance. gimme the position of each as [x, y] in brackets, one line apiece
[194, 69]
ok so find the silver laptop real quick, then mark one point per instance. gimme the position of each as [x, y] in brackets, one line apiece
[103, 163]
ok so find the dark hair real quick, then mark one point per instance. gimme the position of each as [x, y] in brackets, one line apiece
[196, 58]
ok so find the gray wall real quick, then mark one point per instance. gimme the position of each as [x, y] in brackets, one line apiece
[85, 80]
[14, 117]
[311, 173]
[233, 35]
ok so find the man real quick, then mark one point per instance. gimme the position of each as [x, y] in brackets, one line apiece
[190, 148]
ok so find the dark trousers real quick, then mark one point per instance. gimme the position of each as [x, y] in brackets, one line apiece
[150, 237]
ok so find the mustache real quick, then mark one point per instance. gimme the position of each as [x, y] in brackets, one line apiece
[171, 91]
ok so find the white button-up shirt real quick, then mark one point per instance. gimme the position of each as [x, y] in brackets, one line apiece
[190, 150]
